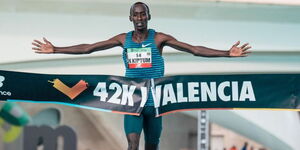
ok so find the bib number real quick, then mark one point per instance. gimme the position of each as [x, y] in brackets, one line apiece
[139, 57]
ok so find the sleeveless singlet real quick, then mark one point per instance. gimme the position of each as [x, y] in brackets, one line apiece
[143, 60]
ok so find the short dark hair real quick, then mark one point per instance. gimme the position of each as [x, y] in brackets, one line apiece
[139, 3]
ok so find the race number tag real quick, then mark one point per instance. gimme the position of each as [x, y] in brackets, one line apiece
[139, 57]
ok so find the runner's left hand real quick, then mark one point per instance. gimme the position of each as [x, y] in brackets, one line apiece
[236, 51]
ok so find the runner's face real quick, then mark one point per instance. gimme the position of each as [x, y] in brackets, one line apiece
[139, 16]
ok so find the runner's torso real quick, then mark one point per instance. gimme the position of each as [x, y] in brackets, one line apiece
[143, 60]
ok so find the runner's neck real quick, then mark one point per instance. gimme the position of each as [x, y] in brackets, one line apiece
[139, 36]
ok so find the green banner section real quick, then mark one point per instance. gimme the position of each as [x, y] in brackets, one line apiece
[99, 92]
[174, 93]
[259, 91]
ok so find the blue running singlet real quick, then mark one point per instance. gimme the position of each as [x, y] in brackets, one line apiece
[143, 60]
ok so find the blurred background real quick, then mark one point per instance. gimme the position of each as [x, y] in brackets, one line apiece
[272, 27]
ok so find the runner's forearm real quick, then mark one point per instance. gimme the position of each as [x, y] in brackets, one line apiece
[209, 52]
[76, 49]
[88, 48]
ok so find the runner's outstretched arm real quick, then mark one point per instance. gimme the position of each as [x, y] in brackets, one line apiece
[48, 48]
[234, 51]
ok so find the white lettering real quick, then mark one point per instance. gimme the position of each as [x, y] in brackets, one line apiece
[2, 78]
[127, 95]
[221, 91]
[156, 95]
[193, 91]
[100, 91]
[180, 96]
[115, 97]
[211, 92]
[169, 94]
[235, 91]
[5, 93]
[247, 92]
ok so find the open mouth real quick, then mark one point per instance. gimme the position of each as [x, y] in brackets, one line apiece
[139, 24]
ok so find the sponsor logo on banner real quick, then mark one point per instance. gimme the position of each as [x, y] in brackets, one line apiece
[3, 93]
[71, 92]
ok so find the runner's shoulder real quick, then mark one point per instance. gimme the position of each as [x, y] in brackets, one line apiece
[162, 36]
[120, 37]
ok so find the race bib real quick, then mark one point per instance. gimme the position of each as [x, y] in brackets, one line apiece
[139, 57]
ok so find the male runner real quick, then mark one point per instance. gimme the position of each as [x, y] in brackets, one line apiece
[142, 56]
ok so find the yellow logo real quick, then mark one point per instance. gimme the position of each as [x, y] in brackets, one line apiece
[72, 92]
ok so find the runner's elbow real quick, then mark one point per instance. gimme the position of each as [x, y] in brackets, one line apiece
[196, 53]
[88, 50]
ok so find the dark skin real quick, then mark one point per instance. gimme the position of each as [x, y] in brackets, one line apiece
[139, 16]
